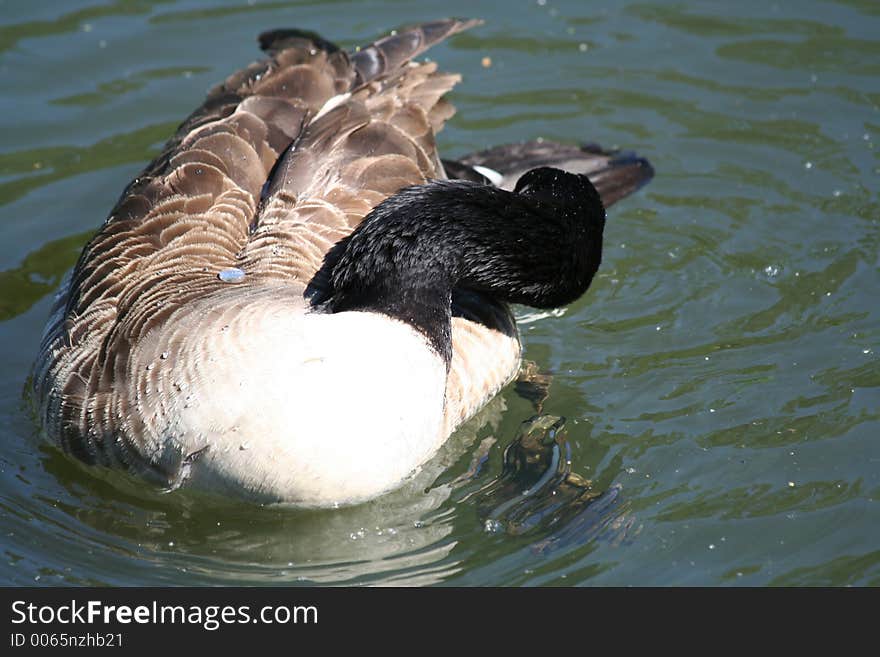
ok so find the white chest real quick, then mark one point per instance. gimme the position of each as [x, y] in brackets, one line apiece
[313, 409]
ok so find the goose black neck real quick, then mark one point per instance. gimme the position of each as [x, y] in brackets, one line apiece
[539, 245]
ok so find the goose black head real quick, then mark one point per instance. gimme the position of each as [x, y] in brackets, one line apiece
[539, 245]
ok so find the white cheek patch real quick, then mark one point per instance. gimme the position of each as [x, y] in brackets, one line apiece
[494, 177]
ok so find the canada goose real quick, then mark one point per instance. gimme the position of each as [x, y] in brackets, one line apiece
[293, 302]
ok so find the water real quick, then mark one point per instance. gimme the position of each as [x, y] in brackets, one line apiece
[720, 380]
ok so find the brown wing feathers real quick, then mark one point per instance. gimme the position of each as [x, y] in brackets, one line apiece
[373, 143]
[196, 209]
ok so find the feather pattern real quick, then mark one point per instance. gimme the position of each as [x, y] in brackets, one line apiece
[250, 180]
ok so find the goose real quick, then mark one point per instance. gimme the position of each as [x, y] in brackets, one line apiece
[298, 300]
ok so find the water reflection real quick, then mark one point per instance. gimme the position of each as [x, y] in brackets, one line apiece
[407, 537]
[43, 166]
[72, 21]
[537, 490]
[39, 274]
[108, 92]
[402, 537]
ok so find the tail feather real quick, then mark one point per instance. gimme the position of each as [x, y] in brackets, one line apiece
[615, 174]
[391, 52]
[624, 174]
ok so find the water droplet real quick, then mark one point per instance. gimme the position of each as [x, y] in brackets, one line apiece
[231, 275]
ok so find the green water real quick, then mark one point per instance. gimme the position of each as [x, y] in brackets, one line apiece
[723, 369]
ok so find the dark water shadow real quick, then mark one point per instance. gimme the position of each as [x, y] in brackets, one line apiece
[538, 495]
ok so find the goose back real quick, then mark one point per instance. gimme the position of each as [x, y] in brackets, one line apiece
[282, 160]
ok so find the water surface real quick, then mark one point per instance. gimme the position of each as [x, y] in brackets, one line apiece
[721, 376]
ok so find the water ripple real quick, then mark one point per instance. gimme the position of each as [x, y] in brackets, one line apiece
[720, 380]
